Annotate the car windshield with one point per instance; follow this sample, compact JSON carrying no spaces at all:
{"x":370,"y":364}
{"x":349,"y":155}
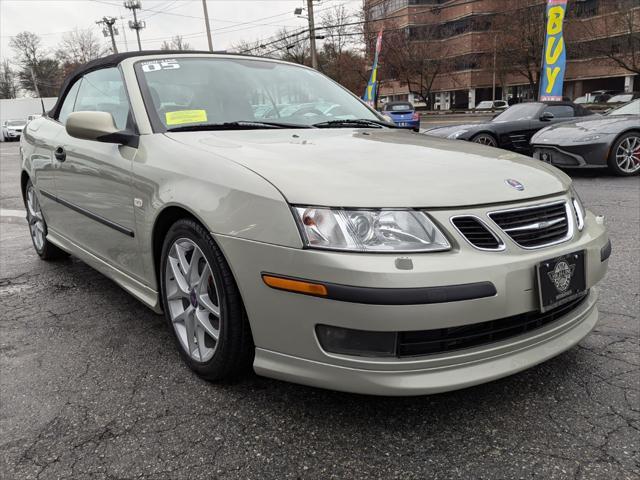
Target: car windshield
{"x":632,"y":108}
{"x":195,"y":91}
{"x":521,"y":111}
{"x":623,"y":98}
{"x":16,"y":123}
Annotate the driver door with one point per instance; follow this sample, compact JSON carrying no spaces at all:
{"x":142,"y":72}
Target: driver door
{"x":94,"y":179}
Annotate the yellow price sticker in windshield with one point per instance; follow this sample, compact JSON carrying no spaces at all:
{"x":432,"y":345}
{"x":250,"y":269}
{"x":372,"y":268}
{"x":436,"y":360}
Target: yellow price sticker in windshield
{"x":185,"y":116}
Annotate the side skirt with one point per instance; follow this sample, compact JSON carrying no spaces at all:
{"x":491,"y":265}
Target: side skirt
{"x":146,"y":295}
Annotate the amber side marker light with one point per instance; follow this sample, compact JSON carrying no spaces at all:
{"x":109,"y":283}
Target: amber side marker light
{"x":296,"y":286}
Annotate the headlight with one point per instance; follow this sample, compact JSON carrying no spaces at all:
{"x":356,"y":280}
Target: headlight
{"x":369,"y":230}
{"x":456,"y":134}
{"x":578,"y":209}
{"x":588,"y":138}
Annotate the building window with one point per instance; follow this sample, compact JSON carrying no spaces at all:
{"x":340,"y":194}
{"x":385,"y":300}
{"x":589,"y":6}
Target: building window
{"x":585,"y":8}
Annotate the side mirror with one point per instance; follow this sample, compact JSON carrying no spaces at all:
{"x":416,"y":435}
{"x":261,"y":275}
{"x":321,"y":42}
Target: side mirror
{"x":99,"y":127}
{"x":547,"y":116}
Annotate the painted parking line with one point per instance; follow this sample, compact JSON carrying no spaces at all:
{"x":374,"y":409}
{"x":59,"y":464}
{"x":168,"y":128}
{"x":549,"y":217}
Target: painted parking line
{"x":5,"y":212}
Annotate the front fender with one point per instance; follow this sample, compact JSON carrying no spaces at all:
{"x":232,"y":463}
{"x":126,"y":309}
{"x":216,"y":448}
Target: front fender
{"x":227,"y":198}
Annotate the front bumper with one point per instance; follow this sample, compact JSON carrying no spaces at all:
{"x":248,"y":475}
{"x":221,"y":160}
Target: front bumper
{"x":412,"y":124}
{"x":12,"y":134}
{"x":283,"y":324}
{"x":574,"y":156}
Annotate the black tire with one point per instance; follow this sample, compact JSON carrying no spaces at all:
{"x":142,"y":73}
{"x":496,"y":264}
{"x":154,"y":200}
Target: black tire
{"x":48,"y":251}
{"x":612,"y":161}
{"x":485,"y":139}
{"x":234,"y":351}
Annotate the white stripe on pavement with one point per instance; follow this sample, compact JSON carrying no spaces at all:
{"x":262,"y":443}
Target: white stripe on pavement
{"x":12,"y":213}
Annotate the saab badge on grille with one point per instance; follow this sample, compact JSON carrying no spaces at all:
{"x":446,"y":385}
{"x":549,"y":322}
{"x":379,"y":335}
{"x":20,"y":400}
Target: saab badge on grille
{"x":514,"y":184}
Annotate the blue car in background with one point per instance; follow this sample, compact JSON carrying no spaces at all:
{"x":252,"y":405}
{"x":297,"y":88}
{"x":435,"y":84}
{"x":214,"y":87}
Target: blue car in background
{"x":403,"y":114}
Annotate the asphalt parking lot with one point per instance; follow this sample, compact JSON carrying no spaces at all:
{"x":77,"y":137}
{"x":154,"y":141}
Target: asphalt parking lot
{"x":91,"y":386}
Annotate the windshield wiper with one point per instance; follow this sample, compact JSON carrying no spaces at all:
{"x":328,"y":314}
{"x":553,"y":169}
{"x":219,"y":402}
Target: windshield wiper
{"x":358,"y":122}
{"x":239,"y":125}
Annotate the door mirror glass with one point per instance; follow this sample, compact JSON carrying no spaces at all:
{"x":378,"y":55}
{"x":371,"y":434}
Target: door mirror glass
{"x":547,"y":116}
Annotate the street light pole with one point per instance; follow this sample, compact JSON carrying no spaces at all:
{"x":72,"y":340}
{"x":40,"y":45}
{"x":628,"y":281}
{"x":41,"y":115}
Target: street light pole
{"x":312,"y":35}
{"x":206,"y":22}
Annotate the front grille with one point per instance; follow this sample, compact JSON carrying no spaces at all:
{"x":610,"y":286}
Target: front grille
{"x":442,"y":340}
{"x":536,"y":226}
{"x":477,"y":233}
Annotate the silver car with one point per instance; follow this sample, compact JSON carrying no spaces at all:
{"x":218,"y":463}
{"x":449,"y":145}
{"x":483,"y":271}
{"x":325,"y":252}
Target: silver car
{"x":336,"y":252}
{"x":12,"y":129}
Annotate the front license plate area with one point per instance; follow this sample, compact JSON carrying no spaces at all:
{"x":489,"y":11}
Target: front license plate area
{"x":561,"y":280}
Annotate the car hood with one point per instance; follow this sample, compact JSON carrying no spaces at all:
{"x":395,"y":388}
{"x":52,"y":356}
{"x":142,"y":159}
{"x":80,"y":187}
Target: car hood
{"x":446,"y":131}
{"x":570,"y":131}
{"x":379,"y":168}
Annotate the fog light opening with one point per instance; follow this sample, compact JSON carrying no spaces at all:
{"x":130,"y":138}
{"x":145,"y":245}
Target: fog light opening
{"x":347,"y":341}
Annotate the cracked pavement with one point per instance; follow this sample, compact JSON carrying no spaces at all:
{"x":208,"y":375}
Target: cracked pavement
{"x":92,"y":387}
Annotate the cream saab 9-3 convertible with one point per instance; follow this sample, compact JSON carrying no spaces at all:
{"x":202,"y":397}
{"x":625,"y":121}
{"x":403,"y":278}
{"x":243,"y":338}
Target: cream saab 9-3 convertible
{"x":280,"y":223}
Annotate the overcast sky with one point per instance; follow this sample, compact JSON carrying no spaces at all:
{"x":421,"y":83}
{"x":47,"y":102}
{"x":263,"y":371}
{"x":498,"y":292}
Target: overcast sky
{"x":231,"y":20}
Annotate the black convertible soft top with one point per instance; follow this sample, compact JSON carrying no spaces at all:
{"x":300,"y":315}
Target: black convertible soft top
{"x":105,"y":62}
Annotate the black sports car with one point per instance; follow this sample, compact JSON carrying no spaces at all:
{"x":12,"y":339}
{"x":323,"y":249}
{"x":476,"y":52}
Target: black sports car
{"x":514,"y":127}
{"x":611,"y":140}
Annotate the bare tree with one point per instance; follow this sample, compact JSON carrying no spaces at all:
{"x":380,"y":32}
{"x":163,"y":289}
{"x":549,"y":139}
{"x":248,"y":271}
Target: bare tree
{"x":616,"y":36}
{"x":291,"y":46}
{"x":8,"y":85}
{"x":247,"y":47}
{"x":333,"y":25}
{"x":176,"y":43}
{"x":33,"y":63}
{"x":522,"y":40}
{"x":79,"y":47}
{"x":417,"y":64}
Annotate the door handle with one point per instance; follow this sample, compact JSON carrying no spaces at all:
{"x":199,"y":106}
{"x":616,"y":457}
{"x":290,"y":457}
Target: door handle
{"x":60,"y":154}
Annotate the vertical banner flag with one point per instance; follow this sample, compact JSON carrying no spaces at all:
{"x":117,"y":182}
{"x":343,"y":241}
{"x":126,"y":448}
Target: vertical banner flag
{"x":372,"y":86}
{"x":554,"y":55}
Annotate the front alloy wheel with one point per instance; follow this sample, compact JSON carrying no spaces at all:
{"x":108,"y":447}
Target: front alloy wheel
{"x":485,"y":139}
{"x":625,"y":155}
{"x":192,"y":298}
{"x":202,"y":304}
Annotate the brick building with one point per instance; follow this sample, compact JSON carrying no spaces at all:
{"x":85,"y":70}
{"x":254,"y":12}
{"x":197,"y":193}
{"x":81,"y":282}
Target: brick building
{"x":473,"y":39}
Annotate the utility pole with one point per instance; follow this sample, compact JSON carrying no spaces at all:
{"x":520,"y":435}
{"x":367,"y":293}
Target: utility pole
{"x":134,"y":5}
{"x":110,"y":30}
{"x":312,"y":35}
{"x":206,"y":22}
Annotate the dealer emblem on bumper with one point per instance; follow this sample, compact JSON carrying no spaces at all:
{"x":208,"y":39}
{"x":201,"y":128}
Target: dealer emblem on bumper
{"x":561,"y":275}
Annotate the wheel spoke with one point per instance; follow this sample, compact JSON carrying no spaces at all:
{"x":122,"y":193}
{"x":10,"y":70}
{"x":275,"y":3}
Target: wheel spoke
{"x":182,"y":259}
{"x":208,"y":305}
{"x":202,"y":318}
{"x":192,"y":274}
{"x":181,"y":282}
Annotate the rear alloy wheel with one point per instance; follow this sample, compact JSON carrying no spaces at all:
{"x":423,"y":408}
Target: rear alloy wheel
{"x":625,"y":155}
{"x":202,"y":304}
{"x":485,"y":139}
{"x":38,"y":227}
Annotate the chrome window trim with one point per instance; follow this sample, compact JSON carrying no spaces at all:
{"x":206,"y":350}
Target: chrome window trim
{"x":501,"y":247}
{"x":568,"y":213}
